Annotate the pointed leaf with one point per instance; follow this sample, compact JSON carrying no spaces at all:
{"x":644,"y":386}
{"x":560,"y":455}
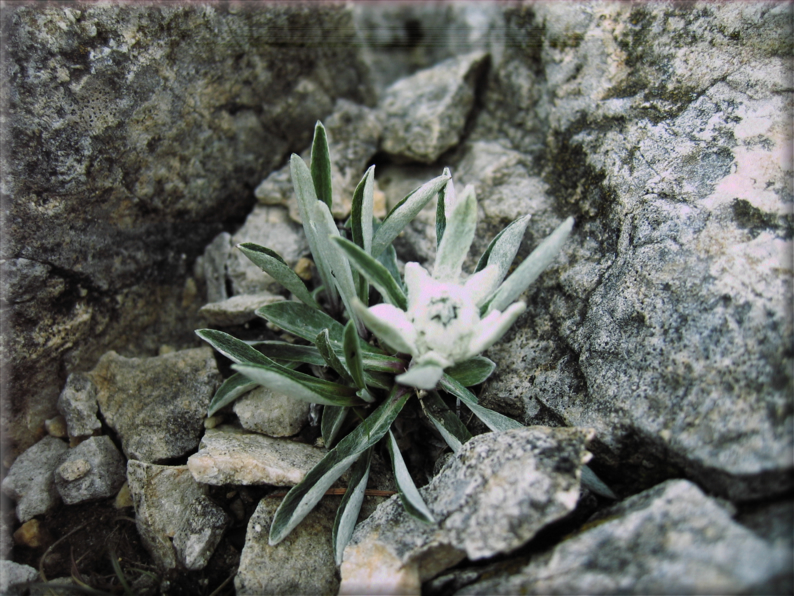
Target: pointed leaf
{"x":300,"y":320}
{"x":412,"y":501}
{"x":349,"y":508}
{"x":446,"y":422}
{"x":273,"y":264}
{"x":321,"y":165}
{"x":361,"y":211}
{"x":473,"y":371}
{"x":235,"y":349}
{"x":282,"y":350}
{"x":403,"y":213}
{"x":232,"y":388}
{"x":594,"y":484}
{"x":300,"y":386}
{"x":374,"y":272}
{"x":461,"y":221}
{"x":388,"y":258}
{"x":326,"y":349}
{"x":305,"y":495}
{"x":307,"y":197}
{"x":421,"y":376}
{"x":352,"y":352}
{"x":493,"y":420}
{"x":503,"y":248}
{"x":441,"y":219}
{"x":331,"y":424}
{"x":530,"y":269}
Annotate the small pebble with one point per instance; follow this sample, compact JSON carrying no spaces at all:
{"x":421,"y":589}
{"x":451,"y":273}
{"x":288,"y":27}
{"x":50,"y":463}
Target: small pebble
{"x":303,"y":268}
{"x":74,"y":469}
{"x":123,"y":498}
{"x":213,"y":421}
{"x":33,"y":534}
{"x":56,"y":427}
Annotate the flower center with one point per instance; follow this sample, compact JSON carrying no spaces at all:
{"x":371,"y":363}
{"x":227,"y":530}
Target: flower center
{"x":443,"y":310}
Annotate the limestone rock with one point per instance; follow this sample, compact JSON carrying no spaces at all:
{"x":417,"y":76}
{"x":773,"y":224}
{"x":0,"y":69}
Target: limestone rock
{"x":424,"y":114}
{"x":202,"y":527}
{"x":157,"y":405}
{"x":77,"y":403}
{"x":271,"y":413}
{"x":671,"y":539}
{"x":30,"y":479}
{"x":492,"y":497}
{"x":237,"y":310}
{"x":303,"y":563}
{"x":13,"y":576}
{"x":229,"y":456}
{"x":94,"y":469}
{"x":214,"y":259}
{"x":162,"y":496}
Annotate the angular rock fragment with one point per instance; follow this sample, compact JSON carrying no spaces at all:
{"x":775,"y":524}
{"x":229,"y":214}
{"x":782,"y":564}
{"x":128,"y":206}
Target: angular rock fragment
{"x":77,"y":403}
{"x":94,"y":469}
{"x":236,"y":310}
{"x":271,"y":413}
{"x":671,"y":539}
{"x":201,"y":529}
{"x":157,"y":405}
{"x":214,"y":259}
{"x":13,"y":576}
{"x":425,"y":114}
{"x":491,"y":498}
{"x":30,"y":479}
{"x":228,"y":456}
{"x":162,"y":496}
{"x":303,"y":563}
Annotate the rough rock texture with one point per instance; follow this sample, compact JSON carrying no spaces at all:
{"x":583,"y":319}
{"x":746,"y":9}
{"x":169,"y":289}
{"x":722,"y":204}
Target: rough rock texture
{"x":30,"y":479}
{"x":201,"y":529}
{"x":162,"y":496}
{"x":230,"y":456}
{"x":671,"y":539}
{"x":425,"y":114}
{"x":303,"y":563}
{"x":94,"y":469}
{"x":237,"y":310}
{"x":271,"y":413}
{"x":492,"y":497}
{"x":665,"y":325}
{"x":157,"y":405}
{"x":78,"y":405}
{"x":13,"y":574}
{"x":145,"y":128}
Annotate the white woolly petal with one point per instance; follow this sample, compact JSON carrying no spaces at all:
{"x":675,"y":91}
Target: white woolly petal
{"x":424,"y":376}
{"x":390,"y":324}
{"x":416,"y":278}
{"x":483,"y":283}
{"x":493,"y":327}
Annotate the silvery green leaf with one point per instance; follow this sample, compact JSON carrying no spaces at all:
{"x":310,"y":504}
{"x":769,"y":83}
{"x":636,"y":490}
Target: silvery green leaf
{"x":594,"y":484}
{"x":349,"y":508}
{"x":331,"y":424}
{"x":305,"y":495}
{"x":446,"y":422}
{"x":412,"y":501}
{"x":388,"y":258}
{"x":301,"y":320}
{"x":307,"y":197}
{"x":493,"y":420}
{"x":282,"y":350}
{"x":321,"y":165}
{"x":232,"y":388}
{"x":374,"y":272}
{"x":404,"y":212}
{"x":235,"y":349}
{"x":274,"y":265}
{"x":448,"y":192}
{"x":361,"y":211}
{"x":325,"y":229}
{"x":503,"y":248}
{"x":461,"y":221}
{"x":421,"y":376}
{"x":473,"y":371}
{"x":530,"y":269}
{"x":326,"y":349}
{"x":390,"y":325}
{"x":300,"y":386}
{"x":352,"y":351}
{"x":382,"y":363}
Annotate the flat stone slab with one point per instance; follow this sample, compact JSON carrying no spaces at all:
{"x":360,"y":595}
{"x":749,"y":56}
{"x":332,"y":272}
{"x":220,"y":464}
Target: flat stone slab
{"x":236,"y":310}
{"x":229,"y":456}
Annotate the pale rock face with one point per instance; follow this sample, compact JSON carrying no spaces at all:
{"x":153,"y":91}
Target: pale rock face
{"x":271,"y":413}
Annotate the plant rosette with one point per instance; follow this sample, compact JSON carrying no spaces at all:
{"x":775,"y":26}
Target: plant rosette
{"x":430,"y":331}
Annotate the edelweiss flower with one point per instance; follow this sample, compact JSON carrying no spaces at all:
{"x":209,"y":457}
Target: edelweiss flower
{"x":442,"y":325}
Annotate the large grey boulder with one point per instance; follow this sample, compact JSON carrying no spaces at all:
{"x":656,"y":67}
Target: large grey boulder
{"x":134,"y":133}
{"x":665,"y":324}
{"x":157,"y":405}
{"x":671,"y":539}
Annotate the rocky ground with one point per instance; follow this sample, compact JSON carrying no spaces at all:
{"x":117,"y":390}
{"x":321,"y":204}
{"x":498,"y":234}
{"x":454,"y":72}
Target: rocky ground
{"x":657,"y":347}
